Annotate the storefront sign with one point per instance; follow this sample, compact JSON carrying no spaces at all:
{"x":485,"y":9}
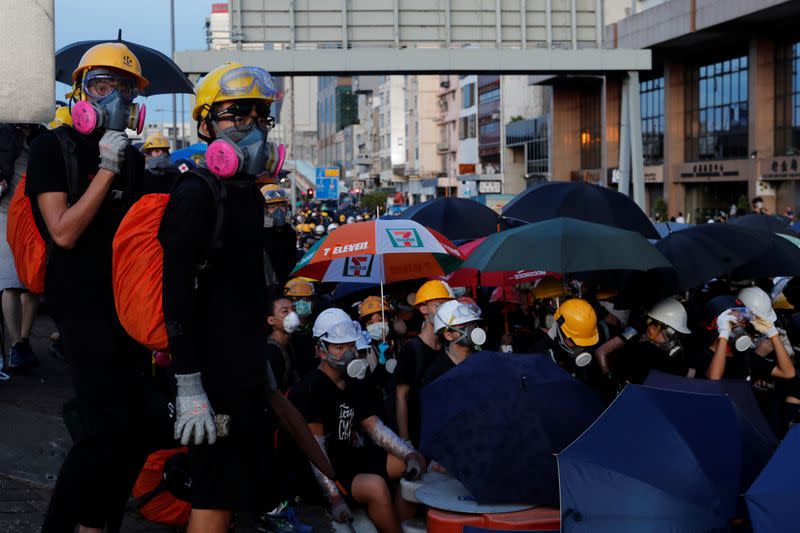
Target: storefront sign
{"x":780,"y":168}
{"x":654,"y":174}
{"x":730,"y":170}
{"x":490,"y":187}
{"x":464,"y":168}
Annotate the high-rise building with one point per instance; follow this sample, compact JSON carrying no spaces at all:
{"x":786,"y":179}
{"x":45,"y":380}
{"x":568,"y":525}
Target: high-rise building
{"x":423,"y":166}
{"x":337,"y":108}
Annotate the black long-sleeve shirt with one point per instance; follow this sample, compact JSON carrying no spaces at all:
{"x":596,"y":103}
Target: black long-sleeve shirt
{"x":216,"y":317}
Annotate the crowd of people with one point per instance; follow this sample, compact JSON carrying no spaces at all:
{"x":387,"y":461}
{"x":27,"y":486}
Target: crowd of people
{"x":240,"y":326}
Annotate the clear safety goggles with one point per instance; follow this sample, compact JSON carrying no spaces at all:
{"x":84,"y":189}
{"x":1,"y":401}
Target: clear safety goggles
{"x":470,"y":311}
{"x":342,"y":330}
{"x":241,"y":113}
{"x":244,"y":80}
{"x":101,"y":83}
{"x":275,"y":195}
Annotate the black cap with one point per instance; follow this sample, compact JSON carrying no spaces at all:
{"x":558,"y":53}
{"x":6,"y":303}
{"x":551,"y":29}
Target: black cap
{"x":717,"y":305}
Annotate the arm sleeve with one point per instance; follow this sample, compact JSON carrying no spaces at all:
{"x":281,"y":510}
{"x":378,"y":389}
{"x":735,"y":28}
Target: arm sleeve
{"x":184,"y":234}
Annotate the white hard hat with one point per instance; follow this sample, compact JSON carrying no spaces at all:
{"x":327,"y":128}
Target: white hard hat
{"x":454,"y":313}
{"x":670,"y":312}
{"x":759,"y":302}
{"x":320,"y":229}
{"x":350,"y":220}
{"x":359,"y":218}
{"x":332,"y":226}
{"x":335,"y":326}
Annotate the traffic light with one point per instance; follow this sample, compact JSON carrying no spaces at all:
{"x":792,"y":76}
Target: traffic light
{"x":310,"y":193}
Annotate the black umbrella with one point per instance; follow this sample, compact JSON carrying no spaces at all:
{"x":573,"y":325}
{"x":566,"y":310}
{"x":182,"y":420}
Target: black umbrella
{"x":707,"y":251}
{"x":770,"y":223}
{"x":164,"y":75}
{"x":782,"y":258}
{"x":455,"y":218}
{"x":579,"y":200}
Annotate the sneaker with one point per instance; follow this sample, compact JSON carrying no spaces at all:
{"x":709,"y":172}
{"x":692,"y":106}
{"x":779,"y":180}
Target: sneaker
{"x":283,"y":522}
{"x":21,"y":356}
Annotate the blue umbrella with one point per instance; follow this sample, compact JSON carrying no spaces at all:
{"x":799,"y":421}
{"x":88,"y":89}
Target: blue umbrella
{"x":758,"y":439}
{"x":455,"y":218}
{"x":188,"y":151}
{"x":496,"y":421}
{"x":665,"y":228}
{"x":655,"y":461}
{"x":772,"y":500}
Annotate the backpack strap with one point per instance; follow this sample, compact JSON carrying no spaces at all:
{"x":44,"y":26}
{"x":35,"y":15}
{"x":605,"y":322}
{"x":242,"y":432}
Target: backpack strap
{"x":68,"y":146}
{"x":219,"y":193}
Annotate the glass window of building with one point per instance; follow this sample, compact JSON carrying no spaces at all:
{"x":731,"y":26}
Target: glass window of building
{"x":651,"y":95}
{"x":787,"y":99}
{"x":590,"y":130}
{"x":490,"y":96}
{"x":468,"y":126}
{"x":717,"y":110}
{"x":468,"y":95}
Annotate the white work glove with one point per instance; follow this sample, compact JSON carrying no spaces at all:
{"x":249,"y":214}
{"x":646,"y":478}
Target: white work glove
{"x":194,"y":412}
{"x":112,"y":150}
{"x":764,"y":326}
{"x":725,"y":322}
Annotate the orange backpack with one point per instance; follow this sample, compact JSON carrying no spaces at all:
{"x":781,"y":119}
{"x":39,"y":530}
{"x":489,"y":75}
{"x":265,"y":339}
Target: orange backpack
{"x":138,"y":263}
{"x":155,"y":489}
{"x":28,"y":246}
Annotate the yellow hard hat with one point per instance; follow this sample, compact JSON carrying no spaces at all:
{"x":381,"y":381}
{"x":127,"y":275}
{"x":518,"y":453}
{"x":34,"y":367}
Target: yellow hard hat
{"x":62,"y":116}
{"x":373,"y":304}
{"x":274,"y":194}
{"x":342,"y":219}
{"x":155,"y":140}
{"x":433,"y":290}
{"x":232,"y":81}
{"x":578,"y":321}
{"x":782,"y":304}
{"x":298,"y":287}
{"x":111,"y":55}
{"x":548,"y":287}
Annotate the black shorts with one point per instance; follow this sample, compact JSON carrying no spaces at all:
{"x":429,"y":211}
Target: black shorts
{"x":350,"y":462}
{"x":235,"y":473}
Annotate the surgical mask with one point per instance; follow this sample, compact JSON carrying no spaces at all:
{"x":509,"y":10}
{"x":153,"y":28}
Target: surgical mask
{"x":399,"y":326}
{"x":291,"y":322}
{"x":378,"y":330}
{"x":158,"y":163}
{"x":235,"y":152}
{"x":303,"y":308}
{"x":110,"y":113}
{"x":276,"y":219}
{"x":473,"y":336}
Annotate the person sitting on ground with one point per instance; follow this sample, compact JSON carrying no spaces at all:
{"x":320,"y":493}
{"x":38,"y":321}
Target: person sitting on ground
{"x":366,"y":455}
{"x":283,"y":322}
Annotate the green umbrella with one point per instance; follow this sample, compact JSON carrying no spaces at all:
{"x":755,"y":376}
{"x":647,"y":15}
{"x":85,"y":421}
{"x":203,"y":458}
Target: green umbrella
{"x":566,"y":245}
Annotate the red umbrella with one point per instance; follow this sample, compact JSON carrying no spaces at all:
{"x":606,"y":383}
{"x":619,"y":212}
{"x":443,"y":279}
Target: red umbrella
{"x":470,"y":277}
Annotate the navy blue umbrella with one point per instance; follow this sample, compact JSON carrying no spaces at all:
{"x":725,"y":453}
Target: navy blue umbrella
{"x":496,"y":421}
{"x":455,"y":218}
{"x":584,"y":201}
{"x":665,"y":228}
{"x":769,"y":223}
{"x":656,"y":461}
{"x":758,"y":439}
{"x":772,"y":500}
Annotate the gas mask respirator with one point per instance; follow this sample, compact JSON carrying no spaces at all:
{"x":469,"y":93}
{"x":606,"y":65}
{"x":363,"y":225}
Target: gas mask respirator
{"x":473,"y":336}
{"x":349,"y":362}
{"x":110,"y":113}
{"x":244,"y":152}
{"x":276,"y":219}
{"x":158,"y":163}
{"x":578,"y":354}
{"x":672,"y":347}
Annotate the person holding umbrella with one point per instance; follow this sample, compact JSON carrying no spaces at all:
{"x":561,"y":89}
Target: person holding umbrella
{"x":340,"y":414}
{"x":80,"y":184}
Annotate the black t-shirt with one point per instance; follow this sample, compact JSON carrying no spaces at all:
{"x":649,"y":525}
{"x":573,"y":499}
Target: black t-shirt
{"x":303,"y":348}
{"x":282,"y":365}
{"x":637,"y":358}
{"x":340,"y":411}
{"x":216,"y":317}
{"x":743,"y":365}
{"x":280,"y":244}
{"x":440,"y":364}
{"x":81,"y":276}
{"x":413,"y":360}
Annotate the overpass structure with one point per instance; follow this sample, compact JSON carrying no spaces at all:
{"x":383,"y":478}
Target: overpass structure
{"x":347,"y":37}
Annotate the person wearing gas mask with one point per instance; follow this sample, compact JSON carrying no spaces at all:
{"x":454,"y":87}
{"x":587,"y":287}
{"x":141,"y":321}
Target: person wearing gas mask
{"x":573,"y":336}
{"x":543,"y":301}
{"x":283,"y":321}
{"x":414,"y":358}
{"x":216,"y":317}
{"x":629,"y":357}
{"x":745,"y":337}
{"x":458,"y":326}
{"x":161,"y":173}
{"x":280,"y":239}
{"x":366,"y":455}
{"x":80,"y":180}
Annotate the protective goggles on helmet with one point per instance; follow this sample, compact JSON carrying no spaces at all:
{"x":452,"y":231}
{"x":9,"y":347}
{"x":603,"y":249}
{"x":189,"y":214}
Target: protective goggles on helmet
{"x":465,"y":311}
{"x":241,"y":113}
{"x":102,"y":83}
{"x":244,"y":80}
{"x":275,"y":195}
{"x":336,"y":332}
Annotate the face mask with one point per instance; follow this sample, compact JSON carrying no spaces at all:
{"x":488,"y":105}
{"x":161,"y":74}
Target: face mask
{"x":471,"y":335}
{"x":158,"y":163}
{"x":458,"y":292}
{"x":303,"y":308}
{"x":672,"y":347}
{"x":277,"y":219}
{"x":343,"y":362}
{"x":238,"y":152}
{"x":291,"y":322}
{"x":110,"y":113}
{"x":357,"y":369}
{"x":578,"y":354}
{"x":399,"y":326}
{"x":740,"y":339}
{"x":378,"y":331}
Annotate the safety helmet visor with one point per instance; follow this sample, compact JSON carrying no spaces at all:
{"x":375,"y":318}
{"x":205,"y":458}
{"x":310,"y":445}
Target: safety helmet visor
{"x":101,"y":83}
{"x":248,"y":80}
{"x":241,"y":113}
{"x":275,"y":196}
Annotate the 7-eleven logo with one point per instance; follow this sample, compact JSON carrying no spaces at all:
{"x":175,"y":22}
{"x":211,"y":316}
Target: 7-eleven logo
{"x":404,"y":238}
{"x":359,"y":266}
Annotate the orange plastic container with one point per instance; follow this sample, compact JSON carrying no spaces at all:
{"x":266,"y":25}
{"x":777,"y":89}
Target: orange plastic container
{"x":535,"y":519}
